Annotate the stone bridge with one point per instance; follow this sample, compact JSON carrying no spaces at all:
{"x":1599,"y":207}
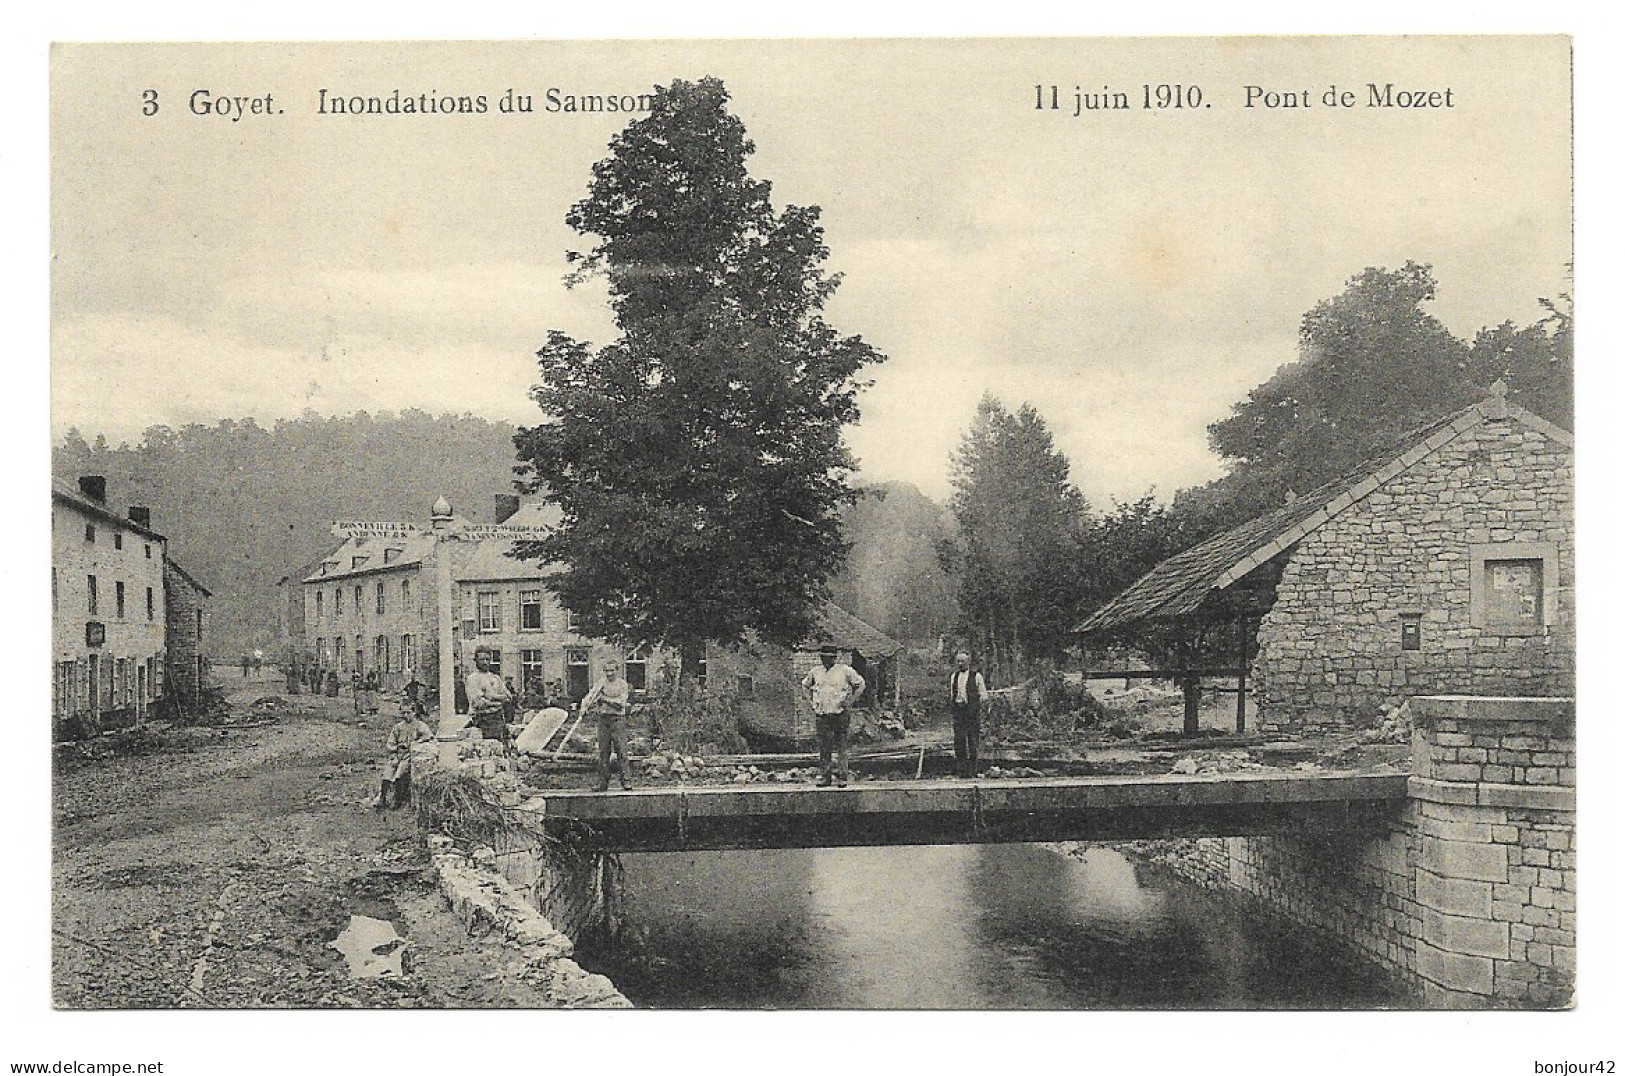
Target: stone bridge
{"x":982,"y":811}
{"x":1458,"y":876}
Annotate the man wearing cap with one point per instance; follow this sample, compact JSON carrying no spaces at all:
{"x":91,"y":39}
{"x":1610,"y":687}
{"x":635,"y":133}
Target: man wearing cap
{"x":834,"y":686}
{"x":487,"y":698}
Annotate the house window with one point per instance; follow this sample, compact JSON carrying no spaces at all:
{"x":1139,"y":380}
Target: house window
{"x":530,"y":610}
{"x":319,"y":605}
{"x":357,"y":601}
{"x":148,"y":550}
{"x":1511,"y":587}
{"x":409,"y":654}
{"x":569,"y":621}
{"x":496,"y":659}
{"x":380,"y":596}
{"x":380,"y":653}
{"x":490,"y":611}
{"x":118,"y":600}
{"x":531,"y":670}
{"x":90,"y":594}
{"x":637,"y":670}
{"x":338,"y":603}
{"x":356,"y":562}
{"x":391,"y":555}
{"x":118,"y":539}
{"x":149,"y":604}
{"x":406,"y":595}
{"x":90,"y":532}
{"x":747,"y":687}
{"x":702,"y":670}
{"x":1410,"y":631}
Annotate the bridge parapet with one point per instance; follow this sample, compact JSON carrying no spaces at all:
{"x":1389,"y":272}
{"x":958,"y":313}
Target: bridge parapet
{"x":1493,"y":783}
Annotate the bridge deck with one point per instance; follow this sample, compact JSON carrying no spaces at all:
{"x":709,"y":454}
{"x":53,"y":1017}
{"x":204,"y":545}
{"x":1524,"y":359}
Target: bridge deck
{"x":670,"y":818}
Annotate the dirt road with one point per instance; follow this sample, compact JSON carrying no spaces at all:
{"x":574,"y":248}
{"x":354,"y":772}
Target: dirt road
{"x":214,"y":869}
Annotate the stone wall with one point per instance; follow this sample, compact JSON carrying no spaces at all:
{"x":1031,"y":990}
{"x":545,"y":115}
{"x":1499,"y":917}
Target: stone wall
{"x":185,"y":622}
{"x":1331,"y":650}
{"x":570,"y":890}
{"x":1468,"y":895}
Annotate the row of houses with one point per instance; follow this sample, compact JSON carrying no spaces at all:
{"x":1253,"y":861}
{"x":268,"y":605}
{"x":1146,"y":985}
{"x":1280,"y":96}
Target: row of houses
{"x":127,"y":621}
{"x":371,"y":606}
{"x":1443,"y":565}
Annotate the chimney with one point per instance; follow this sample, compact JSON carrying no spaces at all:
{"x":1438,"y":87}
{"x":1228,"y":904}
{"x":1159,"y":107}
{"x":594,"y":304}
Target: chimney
{"x":507,"y":505}
{"x":94,"y":486}
{"x":140,"y":515}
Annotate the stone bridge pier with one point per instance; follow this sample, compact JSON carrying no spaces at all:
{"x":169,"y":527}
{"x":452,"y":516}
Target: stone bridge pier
{"x":1493,"y":798}
{"x":1467,"y":893}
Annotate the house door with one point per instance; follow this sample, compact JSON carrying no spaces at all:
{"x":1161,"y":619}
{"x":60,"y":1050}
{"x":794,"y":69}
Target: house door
{"x":860,"y":665}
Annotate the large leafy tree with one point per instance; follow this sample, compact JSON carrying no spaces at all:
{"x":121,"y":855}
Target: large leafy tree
{"x":1017,"y":551}
{"x":698,"y":458}
{"x":1373,"y":364}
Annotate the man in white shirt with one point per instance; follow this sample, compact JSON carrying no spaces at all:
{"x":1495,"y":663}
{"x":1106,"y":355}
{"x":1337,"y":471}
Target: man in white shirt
{"x":834,"y":686}
{"x":967,"y":696}
{"x":487,"y":698}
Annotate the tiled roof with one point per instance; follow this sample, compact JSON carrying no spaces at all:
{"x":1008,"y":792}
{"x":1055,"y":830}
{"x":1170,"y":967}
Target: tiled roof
{"x":1179,"y":584}
{"x":847,"y":631}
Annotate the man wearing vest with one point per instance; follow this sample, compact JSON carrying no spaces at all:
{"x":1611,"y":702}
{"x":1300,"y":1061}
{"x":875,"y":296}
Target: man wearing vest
{"x":967,"y":694}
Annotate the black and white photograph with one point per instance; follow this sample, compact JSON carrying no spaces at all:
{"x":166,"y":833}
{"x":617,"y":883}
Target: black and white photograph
{"x":970,"y":524}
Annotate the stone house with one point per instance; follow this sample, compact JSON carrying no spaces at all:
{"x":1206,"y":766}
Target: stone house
{"x":185,"y":627}
{"x":107,"y":610}
{"x":764,"y":681}
{"x":372,"y":605}
{"x":1443,"y":566}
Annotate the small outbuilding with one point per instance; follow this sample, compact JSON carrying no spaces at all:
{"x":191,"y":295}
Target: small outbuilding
{"x":764,"y":681}
{"x":1444,"y":566}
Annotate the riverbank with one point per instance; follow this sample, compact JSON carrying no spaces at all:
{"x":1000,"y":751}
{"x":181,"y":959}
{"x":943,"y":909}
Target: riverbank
{"x":212,"y":868}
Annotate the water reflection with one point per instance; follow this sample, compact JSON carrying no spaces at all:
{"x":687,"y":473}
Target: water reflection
{"x":972,"y":926}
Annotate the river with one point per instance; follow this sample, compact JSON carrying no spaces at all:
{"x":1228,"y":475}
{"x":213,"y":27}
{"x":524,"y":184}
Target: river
{"x":1006,"y":926}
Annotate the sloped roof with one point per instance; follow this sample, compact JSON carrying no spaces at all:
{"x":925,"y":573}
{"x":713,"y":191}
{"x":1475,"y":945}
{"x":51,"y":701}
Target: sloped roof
{"x":849,"y":632}
{"x":1179,"y":584}
{"x":413,"y":549}
{"x":493,"y":559}
{"x":61,"y":491}
{"x":171,"y":563}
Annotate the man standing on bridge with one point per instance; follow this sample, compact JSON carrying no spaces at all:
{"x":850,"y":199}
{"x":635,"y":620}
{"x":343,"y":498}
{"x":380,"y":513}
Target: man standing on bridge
{"x":967,"y":695}
{"x":610,"y":699}
{"x":834,"y":686}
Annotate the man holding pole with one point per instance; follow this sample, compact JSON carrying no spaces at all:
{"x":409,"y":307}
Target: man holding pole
{"x":610,"y":699}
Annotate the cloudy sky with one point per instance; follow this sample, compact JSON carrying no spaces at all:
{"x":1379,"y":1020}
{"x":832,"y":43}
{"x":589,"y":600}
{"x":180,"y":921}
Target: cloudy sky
{"x":1130,"y":273}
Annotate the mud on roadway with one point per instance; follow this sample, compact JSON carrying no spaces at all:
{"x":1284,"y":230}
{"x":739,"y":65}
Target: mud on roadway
{"x":211,"y":868}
